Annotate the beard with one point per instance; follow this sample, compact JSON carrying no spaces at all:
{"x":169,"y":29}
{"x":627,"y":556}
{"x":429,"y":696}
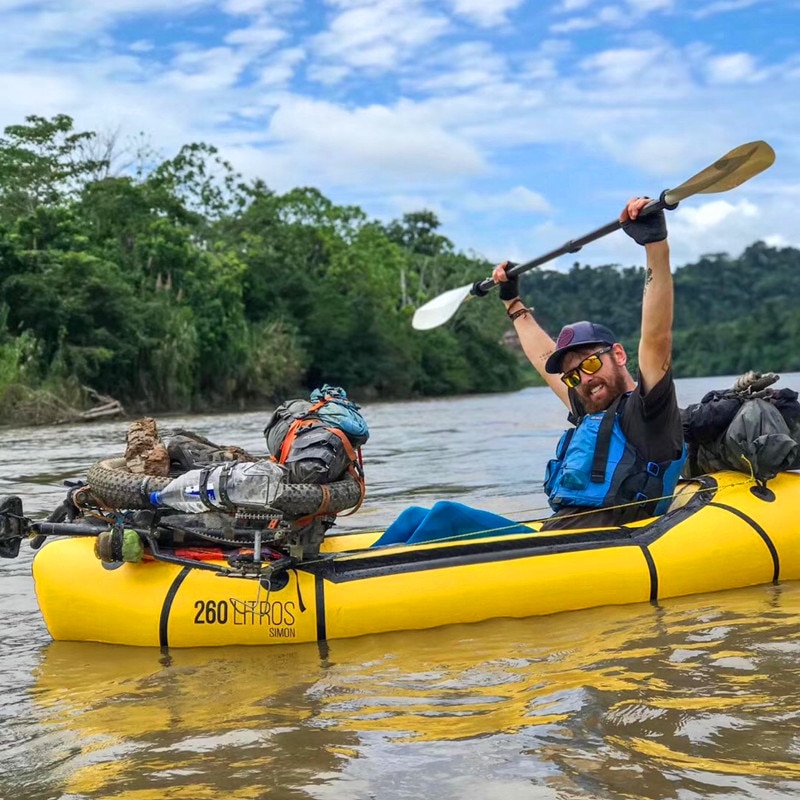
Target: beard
{"x":612,"y":386}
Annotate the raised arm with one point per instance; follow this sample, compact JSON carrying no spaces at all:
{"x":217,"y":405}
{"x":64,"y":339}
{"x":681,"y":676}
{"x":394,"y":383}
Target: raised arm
{"x":536,"y":342}
{"x":655,"y":344}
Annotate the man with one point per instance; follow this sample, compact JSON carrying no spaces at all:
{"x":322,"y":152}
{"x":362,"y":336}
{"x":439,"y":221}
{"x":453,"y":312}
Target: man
{"x":622,"y":459}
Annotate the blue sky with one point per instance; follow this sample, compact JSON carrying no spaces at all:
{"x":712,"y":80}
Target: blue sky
{"x":521,"y":123}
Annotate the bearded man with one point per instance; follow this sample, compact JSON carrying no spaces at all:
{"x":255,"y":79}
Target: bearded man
{"x":621,"y":460}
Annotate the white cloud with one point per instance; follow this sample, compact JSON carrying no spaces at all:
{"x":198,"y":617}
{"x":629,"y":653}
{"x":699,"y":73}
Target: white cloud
{"x":486,"y":13}
{"x":643,"y":7}
{"x":630,"y":15}
{"x":327,"y":74}
{"x":378,"y":36}
{"x":75,"y":26}
{"x":279,"y":69}
{"x":663,"y":155}
{"x":776,"y":241}
{"x":260,"y":36}
{"x":517,"y":199}
{"x":575,"y":24}
{"x":704,"y":218}
{"x":619,"y":66}
{"x":205,"y":70}
{"x":455,"y":80}
{"x":616,"y":15}
{"x":718,"y":226}
{"x":141,"y":46}
{"x":722,"y":7}
{"x":540,"y":68}
{"x":568,"y":6}
{"x":246,"y":7}
{"x":464,"y":66}
{"x":735,"y":68}
{"x":401,"y":144}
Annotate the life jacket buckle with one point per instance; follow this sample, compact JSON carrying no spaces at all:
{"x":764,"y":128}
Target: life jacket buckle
{"x":653,"y":468}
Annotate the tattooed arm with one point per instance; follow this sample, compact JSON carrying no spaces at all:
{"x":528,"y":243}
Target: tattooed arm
{"x":655,"y":345}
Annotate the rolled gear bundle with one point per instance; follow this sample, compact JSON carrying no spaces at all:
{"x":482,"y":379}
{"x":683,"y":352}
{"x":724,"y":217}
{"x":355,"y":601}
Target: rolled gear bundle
{"x":334,"y":408}
{"x":282,"y":419}
{"x":759,"y":437}
{"x":114,"y":486}
{"x":750,"y":428}
{"x":316,"y":441}
{"x":189,"y":450}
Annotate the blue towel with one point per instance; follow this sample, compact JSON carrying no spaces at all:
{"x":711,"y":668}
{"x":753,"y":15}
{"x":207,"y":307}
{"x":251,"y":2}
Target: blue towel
{"x":446,"y":520}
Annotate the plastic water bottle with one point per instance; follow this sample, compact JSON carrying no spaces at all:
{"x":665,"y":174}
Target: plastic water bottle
{"x":247,"y":484}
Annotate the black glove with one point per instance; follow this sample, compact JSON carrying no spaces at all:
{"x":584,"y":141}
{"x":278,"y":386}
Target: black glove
{"x":510,"y":289}
{"x":647,"y":228}
{"x":478,"y":291}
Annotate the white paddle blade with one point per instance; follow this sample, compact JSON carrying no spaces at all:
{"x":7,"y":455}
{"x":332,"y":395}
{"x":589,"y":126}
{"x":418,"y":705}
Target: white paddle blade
{"x":437,"y":311}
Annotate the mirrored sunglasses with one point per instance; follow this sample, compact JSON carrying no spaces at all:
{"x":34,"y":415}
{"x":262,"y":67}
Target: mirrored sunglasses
{"x":588,"y":366}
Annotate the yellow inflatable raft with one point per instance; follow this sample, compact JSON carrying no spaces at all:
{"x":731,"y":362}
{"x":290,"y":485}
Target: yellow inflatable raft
{"x":722,"y":532}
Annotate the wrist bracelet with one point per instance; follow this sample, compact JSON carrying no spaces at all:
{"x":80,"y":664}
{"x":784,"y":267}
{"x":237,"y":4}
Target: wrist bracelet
{"x":520,"y":312}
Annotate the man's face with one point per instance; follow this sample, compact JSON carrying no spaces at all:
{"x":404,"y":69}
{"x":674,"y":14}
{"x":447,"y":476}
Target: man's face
{"x":599,"y":390}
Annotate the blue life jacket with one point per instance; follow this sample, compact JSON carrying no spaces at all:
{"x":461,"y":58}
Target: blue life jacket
{"x":597,"y":467}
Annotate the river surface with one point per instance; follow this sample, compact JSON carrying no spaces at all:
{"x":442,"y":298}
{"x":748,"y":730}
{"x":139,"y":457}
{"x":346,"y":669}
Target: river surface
{"x":698,"y":697}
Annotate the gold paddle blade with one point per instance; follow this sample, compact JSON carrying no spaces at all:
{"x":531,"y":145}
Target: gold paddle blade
{"x":728,"y":172}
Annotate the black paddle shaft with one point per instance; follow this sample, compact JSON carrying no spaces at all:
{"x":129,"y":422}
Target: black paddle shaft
{"x":481,"y":288}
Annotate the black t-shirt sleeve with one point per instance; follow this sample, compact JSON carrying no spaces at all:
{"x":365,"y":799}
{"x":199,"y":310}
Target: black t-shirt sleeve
{"x":652,"y":422}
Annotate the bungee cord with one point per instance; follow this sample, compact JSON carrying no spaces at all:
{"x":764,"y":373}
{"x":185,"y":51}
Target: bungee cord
{"x":499,"y":531}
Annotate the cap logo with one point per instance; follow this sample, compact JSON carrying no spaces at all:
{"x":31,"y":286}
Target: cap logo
{"x":565,"y":337}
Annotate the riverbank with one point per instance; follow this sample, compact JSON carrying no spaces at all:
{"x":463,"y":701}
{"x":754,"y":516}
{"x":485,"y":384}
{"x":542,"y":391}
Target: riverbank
{"x":22,"y":405}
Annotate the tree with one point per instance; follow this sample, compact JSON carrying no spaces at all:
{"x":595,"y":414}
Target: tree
{"x":42,"y":164}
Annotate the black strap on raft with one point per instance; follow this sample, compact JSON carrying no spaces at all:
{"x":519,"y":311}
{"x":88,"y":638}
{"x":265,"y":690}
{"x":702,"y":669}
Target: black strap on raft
{"x":222,"y":489}
{"x":603,"y":445}
{"x":223,"y":501}
{"x":203,"y":488}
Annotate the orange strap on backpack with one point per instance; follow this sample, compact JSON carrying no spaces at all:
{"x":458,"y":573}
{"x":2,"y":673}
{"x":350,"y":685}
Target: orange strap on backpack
{"x":355,"y":468}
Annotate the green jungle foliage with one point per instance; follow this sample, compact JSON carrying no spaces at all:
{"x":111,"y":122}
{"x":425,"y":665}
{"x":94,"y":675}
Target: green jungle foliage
{"x":731,"y":314}
{"x":178,"y":286}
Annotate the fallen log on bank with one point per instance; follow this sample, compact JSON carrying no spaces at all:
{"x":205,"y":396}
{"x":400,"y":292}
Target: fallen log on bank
{"x":22,"y":405}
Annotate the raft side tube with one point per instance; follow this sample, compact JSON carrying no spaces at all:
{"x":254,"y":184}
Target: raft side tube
{"x":718,"y":540}
{"x":462,"y":593}
{"x":82,"y":599}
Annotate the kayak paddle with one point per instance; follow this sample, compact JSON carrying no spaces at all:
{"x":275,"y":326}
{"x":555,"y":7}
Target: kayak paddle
{"x":728,"y":172}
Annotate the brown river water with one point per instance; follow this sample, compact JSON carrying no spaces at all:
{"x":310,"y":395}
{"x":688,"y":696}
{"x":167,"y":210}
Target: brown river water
{"x":694,"y":698}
